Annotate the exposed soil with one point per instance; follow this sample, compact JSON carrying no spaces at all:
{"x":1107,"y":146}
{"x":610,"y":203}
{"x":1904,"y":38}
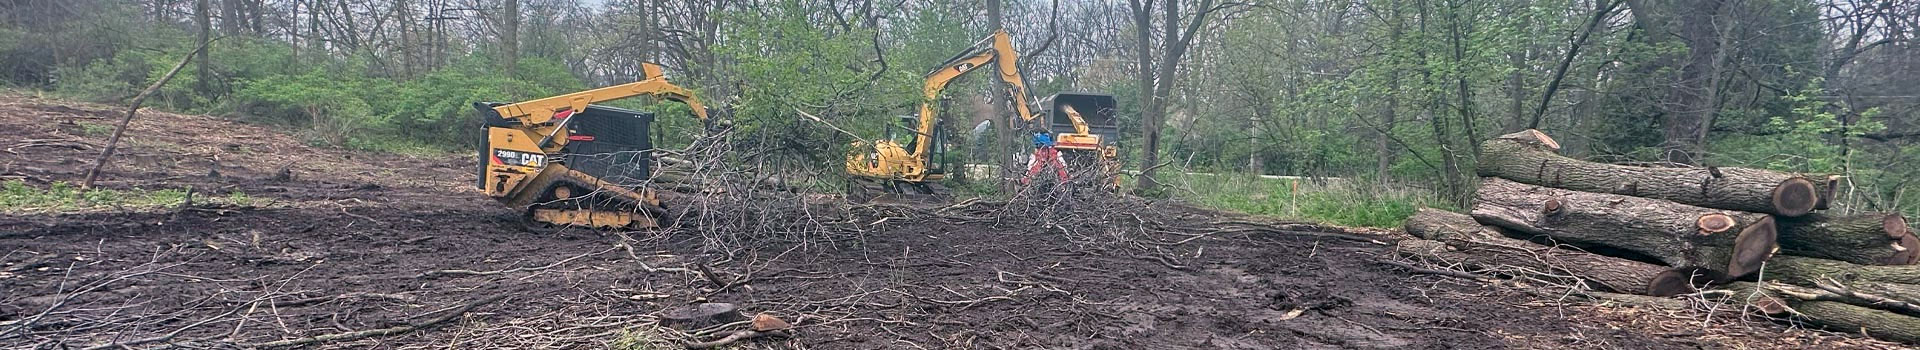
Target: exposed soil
{"x":353,"y":242}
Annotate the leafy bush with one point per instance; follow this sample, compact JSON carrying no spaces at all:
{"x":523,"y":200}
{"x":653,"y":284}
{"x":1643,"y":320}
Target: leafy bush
{"x":328,"y":105}
{"x":1335,"y":201}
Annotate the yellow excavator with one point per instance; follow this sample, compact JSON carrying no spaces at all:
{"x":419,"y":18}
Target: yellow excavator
{"x":570,"y":163}
{"x":886,"y":167}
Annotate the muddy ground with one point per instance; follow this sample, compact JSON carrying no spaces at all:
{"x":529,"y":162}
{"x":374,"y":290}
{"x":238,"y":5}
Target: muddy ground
{"x":354,"y":242}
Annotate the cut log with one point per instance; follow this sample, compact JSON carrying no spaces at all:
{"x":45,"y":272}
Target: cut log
{"x":1682,"y":281}
{"x":1869,"y":239}
{"x":1894,"y":282}
{"x":1909,"y":250}
{"x":1765,"y":301}
{"x":1820,"y":308}
{"x":1468,"y":242}
{"x":1675,"y":234}
{"x":1527,"y":157}
{"x":1817,"y":308}
{"x":1848,"y":318}
{"x":1805,"y":271}
{"x":1829,"y":189}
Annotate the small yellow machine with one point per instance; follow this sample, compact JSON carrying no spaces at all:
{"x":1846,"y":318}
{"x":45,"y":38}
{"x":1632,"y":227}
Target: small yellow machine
{"x":888,"y":167}
{"x":570,"y":163}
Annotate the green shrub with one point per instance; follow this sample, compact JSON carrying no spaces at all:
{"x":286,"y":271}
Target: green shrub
{"x":1334,"y":201}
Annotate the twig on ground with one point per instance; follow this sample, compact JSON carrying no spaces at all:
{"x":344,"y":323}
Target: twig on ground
{"x":512,"y":270}
{"x":450,"y":315}
{"x":737,"y":336}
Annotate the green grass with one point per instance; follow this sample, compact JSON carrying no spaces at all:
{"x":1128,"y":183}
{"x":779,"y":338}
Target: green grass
{"x":399,"y":146}
{"x":92,"y":129}
{"x":17,"y":196}
{"x":640,"y":339}
{"x":1338,"y":202}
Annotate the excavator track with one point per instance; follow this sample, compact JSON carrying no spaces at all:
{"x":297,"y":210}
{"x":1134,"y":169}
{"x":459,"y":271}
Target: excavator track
{"x":862,"y":190}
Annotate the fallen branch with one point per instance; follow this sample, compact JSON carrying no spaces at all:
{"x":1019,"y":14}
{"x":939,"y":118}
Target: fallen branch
{"x":170,"y":335}
{"x":513,"y":270}
{"x":29,"y":322}
{"x":353,"y":295}
{"x":743,"y":334}
{"x":450,"y":315}
{"x":1427,"y":271}
{"x":133,"y":107}
{"x":1864,"y":299}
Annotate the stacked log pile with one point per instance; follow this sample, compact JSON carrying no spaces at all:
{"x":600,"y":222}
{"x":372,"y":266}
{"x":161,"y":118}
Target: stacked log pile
{"x":1666,"y":231}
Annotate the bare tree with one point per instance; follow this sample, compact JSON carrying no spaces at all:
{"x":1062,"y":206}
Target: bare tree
{"x":202,"y":74}
{"x":1157,"y":80}
{"x":1692,"y":97}
{"x":510,"y":36}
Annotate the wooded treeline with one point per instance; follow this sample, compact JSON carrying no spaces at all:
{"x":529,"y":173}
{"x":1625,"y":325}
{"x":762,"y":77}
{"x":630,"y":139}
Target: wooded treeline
{"x":1397,"y":91}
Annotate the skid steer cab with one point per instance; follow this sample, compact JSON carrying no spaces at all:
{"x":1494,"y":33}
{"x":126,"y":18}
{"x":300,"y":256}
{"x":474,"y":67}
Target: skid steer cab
{"x":567,"y":162}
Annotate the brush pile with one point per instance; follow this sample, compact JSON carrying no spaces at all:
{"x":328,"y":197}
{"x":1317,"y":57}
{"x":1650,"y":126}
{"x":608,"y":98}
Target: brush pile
{"x":1753,"y":235}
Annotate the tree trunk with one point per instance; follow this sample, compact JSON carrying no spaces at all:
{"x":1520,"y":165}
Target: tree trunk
{"x":1806,"y":271}
{"x":1675,"y":234}
{"x":1602,"y":9}
{"x":1691,"y":99}
{"x":1901,"y":283}
{"x":1869,"y":239}
{"x":202,"y":75}
{"x":1842,"y":317}
{"x":510,"y":38}
{"x":1485,"y":247}
{"x":255,"y":11}
{"x":1143,"y":54}
{"x":1004,"y":146}
{"x":230,"y":17}
{"x":402,"y":14}
{"x":1529,"y":156}
{"x":1824,"y":309}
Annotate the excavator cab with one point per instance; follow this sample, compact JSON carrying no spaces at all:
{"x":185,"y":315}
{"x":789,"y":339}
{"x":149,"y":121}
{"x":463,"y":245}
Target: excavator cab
{"x":906,"y":126}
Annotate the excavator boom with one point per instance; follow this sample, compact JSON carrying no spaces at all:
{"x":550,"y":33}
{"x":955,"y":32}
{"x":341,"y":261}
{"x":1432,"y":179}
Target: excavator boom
{"x":912,"y":167}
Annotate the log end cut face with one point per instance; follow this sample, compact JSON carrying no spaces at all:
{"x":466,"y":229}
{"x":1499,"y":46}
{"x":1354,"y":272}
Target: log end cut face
{"x":1533,"y":137}
{"x":1906,"y":252}
{"x":1795,"y":197}
{"x":1715,"y":223}
{"x":1752,"y":247}
{"x":1682,"y":281}
{"x":1894,"y":225}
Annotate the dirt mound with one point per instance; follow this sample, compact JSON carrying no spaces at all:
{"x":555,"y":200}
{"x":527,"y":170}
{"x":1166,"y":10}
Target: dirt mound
{"x":52,"y":141}
{"x":348,"y":250}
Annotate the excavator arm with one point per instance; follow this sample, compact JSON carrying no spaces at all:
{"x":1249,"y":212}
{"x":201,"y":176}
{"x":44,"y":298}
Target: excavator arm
{"x":654,"y":83}
{"x":996,"y":50}
{"x":893,"y":168}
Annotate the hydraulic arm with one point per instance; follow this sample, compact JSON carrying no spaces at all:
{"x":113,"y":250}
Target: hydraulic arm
{"x":910,"y":169}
